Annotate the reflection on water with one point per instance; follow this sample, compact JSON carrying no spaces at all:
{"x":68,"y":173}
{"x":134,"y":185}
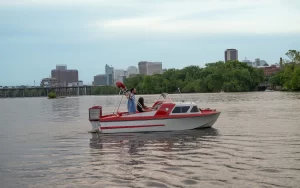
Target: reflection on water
{"x":143,"y":157}
{"x":136,"y":140}
{"x":65,"y":108}
{"x":254,"y":143}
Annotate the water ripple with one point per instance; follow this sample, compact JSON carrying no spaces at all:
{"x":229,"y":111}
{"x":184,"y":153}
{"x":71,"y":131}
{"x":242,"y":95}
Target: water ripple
{"x":254,"y":143}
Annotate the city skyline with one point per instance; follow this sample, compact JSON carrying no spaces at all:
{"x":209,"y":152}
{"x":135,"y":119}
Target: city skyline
{"x":91,"y":78}
{"x":86,"y":35}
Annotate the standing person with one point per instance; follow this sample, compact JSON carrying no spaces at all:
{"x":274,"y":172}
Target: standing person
{"x":131,"y":101}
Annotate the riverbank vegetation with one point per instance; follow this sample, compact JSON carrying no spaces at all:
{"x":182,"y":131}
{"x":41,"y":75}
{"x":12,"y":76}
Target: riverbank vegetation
{"x":289,"y":77}
{"x":105,"y":90}
{"x":52,"y":95}
{"x":232,"y":76}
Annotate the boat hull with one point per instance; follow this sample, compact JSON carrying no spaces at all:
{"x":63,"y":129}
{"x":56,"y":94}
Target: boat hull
{"x":154,"y":125}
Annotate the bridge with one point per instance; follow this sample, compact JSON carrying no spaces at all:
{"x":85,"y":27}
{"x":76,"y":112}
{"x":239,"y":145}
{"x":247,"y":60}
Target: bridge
{"x":44,"y":91}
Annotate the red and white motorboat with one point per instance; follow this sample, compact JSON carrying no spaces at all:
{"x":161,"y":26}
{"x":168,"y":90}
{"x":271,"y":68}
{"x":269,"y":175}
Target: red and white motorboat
{"x":165,"y":115}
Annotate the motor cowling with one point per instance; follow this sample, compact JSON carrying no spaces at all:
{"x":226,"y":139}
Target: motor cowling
{"x":95,"y":113}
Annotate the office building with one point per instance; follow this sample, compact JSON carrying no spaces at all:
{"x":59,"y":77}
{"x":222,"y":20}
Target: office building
{"x":260,"y":63}
{"x":100,"y":80}
{"x":143,"y":67}
{"x":61,"y":67}
{"x":150,"y":68}
{"x":109,"y":71}
{"x":248,"y":62}
{"x":231,"y":54}
{"x":118,"y":75}
{"x":120,"y":78}
{"x":48,"y":82}
{"x":64,"y":76}
{"x":270,"y":70}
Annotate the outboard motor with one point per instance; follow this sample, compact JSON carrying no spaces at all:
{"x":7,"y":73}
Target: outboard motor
{"x":95,"y":113}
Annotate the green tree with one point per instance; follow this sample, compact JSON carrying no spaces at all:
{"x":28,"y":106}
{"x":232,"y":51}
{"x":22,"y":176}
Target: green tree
{"x":295,"y":80}
{"x":229,"y":76}
{"x":294,"y":55}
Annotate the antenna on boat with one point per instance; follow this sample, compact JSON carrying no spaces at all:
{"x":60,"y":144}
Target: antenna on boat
{"x":180,"y":94}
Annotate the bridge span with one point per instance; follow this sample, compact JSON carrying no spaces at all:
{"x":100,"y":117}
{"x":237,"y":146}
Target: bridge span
{"x":44,"y":91}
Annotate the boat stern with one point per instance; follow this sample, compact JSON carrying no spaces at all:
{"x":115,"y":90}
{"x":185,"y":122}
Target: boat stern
{"x":95,"y":113}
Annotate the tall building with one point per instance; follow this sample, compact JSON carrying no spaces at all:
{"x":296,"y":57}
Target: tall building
{"x":143,"y":67}
{"x":257,"y":62}
{"x":132,"y":70}
{"x":260,"y":63}
{"x":61,"y":67}
{"x":118,"y":75}
{"x":120,"y":78}
{"x":231,"y":54}
{"x":109,"y":71}
{"x":249,"y":63}
{"x":64,"y":76}
{"x":150,"y":68}
{"x":100,"y":80}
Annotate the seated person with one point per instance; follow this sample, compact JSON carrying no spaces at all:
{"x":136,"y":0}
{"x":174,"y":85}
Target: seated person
{"x":141,"y":106}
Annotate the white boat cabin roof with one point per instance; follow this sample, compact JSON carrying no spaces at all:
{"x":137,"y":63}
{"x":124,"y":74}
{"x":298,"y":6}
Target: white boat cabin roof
{"x":182,"y":106}
{"x":185,"y":107}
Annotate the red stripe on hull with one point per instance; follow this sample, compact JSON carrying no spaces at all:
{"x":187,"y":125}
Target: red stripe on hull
{"x":134,"y":126}
{"x":156,"y":117}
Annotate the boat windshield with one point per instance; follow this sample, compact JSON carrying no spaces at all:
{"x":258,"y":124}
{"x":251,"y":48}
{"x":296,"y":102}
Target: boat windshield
{"x":185,"y":109}
{"x":165,"y":96}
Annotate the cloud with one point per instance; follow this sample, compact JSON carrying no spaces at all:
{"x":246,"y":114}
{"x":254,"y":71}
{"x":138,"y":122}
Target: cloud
{"x":207,"y":17}
{"x":132,"y":18}
{"x":49,"y":2}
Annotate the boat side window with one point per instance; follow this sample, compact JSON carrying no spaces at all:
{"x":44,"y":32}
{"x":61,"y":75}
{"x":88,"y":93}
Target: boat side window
{"x":177,"y":110}
{"x":195,"y":109}
{"x":184,"y":109}
{"x":180,"y":109}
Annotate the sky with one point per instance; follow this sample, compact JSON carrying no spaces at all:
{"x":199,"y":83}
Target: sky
{"x":36,"y":35}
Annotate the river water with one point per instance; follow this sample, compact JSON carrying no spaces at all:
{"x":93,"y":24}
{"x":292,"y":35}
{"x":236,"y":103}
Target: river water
{"x":254,"y":143}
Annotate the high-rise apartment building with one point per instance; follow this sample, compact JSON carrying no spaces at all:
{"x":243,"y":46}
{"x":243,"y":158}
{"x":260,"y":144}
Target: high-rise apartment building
{"x":231,"y":54}
{"x":150,"y":68}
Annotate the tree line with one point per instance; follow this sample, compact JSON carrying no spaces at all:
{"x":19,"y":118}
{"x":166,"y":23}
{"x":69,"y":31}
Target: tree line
{"x":231,"y":76}
{"x":289,"y":77}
